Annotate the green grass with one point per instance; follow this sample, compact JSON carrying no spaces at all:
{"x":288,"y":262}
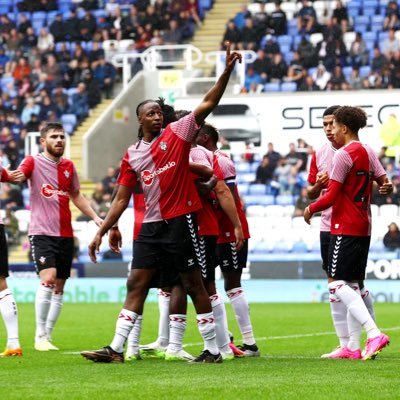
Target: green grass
{"x":290,"y":367}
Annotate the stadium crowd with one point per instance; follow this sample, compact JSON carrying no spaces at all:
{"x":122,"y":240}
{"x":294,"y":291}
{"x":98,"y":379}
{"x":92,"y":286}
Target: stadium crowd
{"x":318,"y":47}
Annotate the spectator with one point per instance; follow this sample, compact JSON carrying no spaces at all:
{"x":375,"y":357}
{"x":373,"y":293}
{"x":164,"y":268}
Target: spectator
{"x":306,"y":18}
{"x":23,"y":24}
{"x":29,"y":109}
{"x":338,"y":80}
{"x":110,"y":180}
{"x":308,"y":85}
{"x":307,"y":53}
{"x":271,"y":47}
{"x":358,"y":51}
{"x":278,"y":68}
{"x":249,"y":35}
{"x":232,"y":35}
{"x":11,"y":226}
{"x":273,"y":156}
{"x":72,"y":27}
{"x":294,"y":158}
{"x":391,"y":240}
{"x":33,"y":124}
{"x":262,"y":65}
{"x":355,"y":80}
{"x":336,"y":53}
{"x":321,"y":76}
{"x":111,"y":7}
{"x":296,"y":72}
{"x":57,"y":28}
{"x":87,"y":26}
{"x":80,"y":105}
{"x":45,"y":41}
{"x":392,"y":16}
{"x":240,"y":16}
{"x":260,"y":19}
{"x":378,"y":61}
{"x":265,"y":171}
{"x":12,"y":152}
{"x":391,"y":44}
{"x":105,"y":73}
{"x":92,"y":88}
{"x":13,"y":41}
{"x":340,"y":16}
{"x":60,"y":99}
{"x":252,"y":78}
{"x":302,"y":203}
{"x":21,"y":69}
{"x":277,"y":23}
{"x":11,"y":197}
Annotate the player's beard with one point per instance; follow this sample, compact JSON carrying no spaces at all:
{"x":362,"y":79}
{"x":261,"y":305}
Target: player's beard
{"x":55,"y":151}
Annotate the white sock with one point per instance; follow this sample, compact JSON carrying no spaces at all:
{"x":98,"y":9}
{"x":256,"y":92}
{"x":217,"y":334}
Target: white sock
{"x":54,"y":312}
{"x":134,"y":335}
{"x":177,"y":327}
{"x":163,"y":323}
{"x":242,"y":314}
{"x":125,"y":322}
{"x":354,"y":325}
{"x":221,"y":328}
{"x":206,"y":325}
{"x":367,"y":299}
{"x":339,"y":318}
{"x":355,"y":306}
{"x":9,"y":312}
{"x":42,"y":307}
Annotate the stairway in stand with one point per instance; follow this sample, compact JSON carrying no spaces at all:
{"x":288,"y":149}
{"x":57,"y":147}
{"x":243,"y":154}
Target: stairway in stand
{"x":209,"y":36}
{"x":20,"y":255}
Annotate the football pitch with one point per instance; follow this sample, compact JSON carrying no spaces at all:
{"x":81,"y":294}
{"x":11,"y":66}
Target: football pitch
{"x":291,"y":338}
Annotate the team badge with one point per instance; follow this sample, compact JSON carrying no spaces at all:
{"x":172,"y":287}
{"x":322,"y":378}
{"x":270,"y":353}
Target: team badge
{"x":163,"y":146}
{"x":42,"y":260}
{"x":66,"y":174}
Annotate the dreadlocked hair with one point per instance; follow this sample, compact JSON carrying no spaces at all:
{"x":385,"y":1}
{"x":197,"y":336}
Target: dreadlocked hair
{"x":168,"y":112}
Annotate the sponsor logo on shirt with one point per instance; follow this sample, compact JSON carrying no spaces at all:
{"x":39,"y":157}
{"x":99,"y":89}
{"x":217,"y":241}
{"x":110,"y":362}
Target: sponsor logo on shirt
{"x":148,"y":176}
{"x":48,"y":191}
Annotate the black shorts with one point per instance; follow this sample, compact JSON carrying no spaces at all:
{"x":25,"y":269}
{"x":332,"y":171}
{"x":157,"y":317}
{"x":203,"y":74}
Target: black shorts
{"x":171,"y":244}
{"x":324,"y":239}
{"x":229,"y":259}
{"x":53,"y":252}
{"x":348,"y":257}
{"x":3,"y":253}
{"x":208,"y":261}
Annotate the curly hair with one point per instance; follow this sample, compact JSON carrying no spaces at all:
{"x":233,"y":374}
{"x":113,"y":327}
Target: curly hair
{"x":354,"y":118}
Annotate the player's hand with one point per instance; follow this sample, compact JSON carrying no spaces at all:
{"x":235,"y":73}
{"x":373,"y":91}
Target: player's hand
{"x":98,"y":221}
{"x":94,"y":247}
{"x":231,"y":58}
{"x":307,"y":215}
{"x":322,"y":179}
{"x":115,"y":239}
{"x":386,"y":188}
{"x":16,"y":176}
{"x":239,"y":237}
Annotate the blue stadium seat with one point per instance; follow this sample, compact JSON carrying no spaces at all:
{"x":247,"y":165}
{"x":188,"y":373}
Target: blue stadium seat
{"x":361,"y":20}
{"x":370,"y":36}
{"x":266,"y":200}
{"x":284,"y":199}
{"x":300,"y":247}
{"x":69,"y":122}
{"x":364,"y":71}
{"x":285,"y":40}
{"x":252,"y":199}
{"x":242,"y":167}
{"x":262,"y":247}
{"x":243,"y":188}
{"x":282,"y":247}
{"x":257,"y":188}
{"x":288,"y":87}
{"x":245,"y":178}
{"x":369,"y":11}
{"x":272,"y":87}
{"x":370,"y":4}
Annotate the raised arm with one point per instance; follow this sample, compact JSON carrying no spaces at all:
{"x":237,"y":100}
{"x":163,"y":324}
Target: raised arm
{"x":213,"y":96}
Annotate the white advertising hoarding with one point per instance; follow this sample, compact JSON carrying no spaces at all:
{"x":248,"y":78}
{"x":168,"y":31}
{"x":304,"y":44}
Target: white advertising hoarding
{"x":285,"y":117}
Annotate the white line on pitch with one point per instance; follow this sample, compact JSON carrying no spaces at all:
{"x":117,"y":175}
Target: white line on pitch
{"x":297,"y":336}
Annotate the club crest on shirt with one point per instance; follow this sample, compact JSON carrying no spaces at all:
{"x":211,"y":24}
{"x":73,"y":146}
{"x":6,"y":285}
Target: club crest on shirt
{"x":42,"y":260}
{"x":163,"y":146}
{"x":66,"y":174}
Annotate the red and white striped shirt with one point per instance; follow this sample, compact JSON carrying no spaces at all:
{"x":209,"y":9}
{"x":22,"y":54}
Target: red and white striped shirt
{"x":226,"y":229}
{"x":321,"y":161}
{"x":3,"y":178}
{"x":354,"y":167}
{"x":50,"y":186}
{"x":162,"y":167}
